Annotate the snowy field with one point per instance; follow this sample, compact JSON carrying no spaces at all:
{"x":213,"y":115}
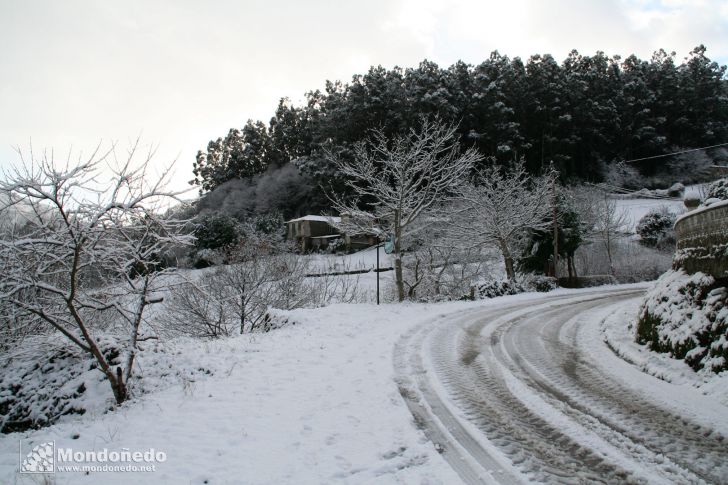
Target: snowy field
{"x":636,"y":209}
{"x":361,"y":260}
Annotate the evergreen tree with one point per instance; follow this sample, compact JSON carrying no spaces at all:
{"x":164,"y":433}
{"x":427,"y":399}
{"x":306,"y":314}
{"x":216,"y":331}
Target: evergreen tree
{"x":586,"y":114}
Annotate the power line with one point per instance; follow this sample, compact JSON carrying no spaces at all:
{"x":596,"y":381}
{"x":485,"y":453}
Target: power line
{"x":629,"y":194}
{"x":675,"y":153}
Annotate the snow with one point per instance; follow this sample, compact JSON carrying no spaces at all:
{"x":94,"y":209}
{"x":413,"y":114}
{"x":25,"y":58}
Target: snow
{"x":329,"y":219}
{"x":310,"y":403}
{"x":688,"y":318}
{"x":710,"y":204}
{"x":636,"y":209}
{"x":619,"y":333}
{"x":314,"y":402}
{"x":361,"y":260}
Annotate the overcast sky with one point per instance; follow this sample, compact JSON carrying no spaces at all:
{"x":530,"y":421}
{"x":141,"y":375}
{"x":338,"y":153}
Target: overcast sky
{"x":182,"y":72}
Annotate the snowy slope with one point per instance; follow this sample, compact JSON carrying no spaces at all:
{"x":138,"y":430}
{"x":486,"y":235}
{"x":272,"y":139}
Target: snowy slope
{"x":619,"y":332}
{"x":310,"y":403}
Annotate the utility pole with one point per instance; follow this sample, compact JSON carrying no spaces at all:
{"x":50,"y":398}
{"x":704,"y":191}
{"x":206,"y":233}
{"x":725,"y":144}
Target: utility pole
{"x":554,"y":202}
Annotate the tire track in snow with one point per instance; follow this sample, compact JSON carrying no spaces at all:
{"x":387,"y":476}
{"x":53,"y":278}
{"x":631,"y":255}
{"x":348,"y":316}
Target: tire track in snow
{"x":562,"y":365}
{"x":502,"y":384}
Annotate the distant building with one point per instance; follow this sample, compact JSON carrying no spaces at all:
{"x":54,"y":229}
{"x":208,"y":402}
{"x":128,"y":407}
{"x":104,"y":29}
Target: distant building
{"x":313,"y":232}
{"x":365,"y":237}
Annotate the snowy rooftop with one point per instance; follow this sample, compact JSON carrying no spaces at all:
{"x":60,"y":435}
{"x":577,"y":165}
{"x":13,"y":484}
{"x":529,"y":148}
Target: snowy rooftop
{"x":317,"y":218}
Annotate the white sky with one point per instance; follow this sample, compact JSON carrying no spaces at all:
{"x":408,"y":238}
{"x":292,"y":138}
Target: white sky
{"x":182,"y":72}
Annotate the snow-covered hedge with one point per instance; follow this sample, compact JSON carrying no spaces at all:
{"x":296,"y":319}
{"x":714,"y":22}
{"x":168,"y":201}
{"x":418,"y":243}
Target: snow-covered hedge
{"x":686,"y":315}
{"x":35,"y":393}
{"x":42,"y":381}
{"x":495,"y":288}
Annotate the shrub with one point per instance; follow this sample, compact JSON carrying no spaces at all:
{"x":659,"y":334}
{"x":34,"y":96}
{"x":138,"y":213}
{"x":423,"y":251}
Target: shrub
{"x":685,"y":315}
{"x":541,"y":283}
{"x":656,"y":228}
{"x":495,"y":288}
{"x":216,"y":232}
{"x":718,"y":190}
{"x":36,"y":393}
{"x":235,"y":298}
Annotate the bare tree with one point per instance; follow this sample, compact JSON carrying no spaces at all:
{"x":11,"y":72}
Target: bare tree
{"x":263,"y":281}
{"x":199,"y":308}
{"x":438,"y":265}
{"x":604,"y":220}
{"x":400,"y":178}
{"x":499,"y":207}
{"x":236,"y":297}
{"x":443,"y":271}
{"x":90,"y":252}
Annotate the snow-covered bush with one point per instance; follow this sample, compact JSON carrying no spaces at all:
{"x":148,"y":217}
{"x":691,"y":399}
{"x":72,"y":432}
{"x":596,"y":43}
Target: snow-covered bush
{"x":540,"y":283}
{"x":496,"y":288}
{"x":691,"y":167}
{"x":204,"y":258}
{"x":336,"y":284}
{"x":687,"y":316}
{"x":441,"y":272}
{"x":656,"y":228}
{"x":676,"y":190}
{"x":42,"y":381}
{"x":35,"y":392}
{"x":718,"y":190}
{"x":624,"y":175}
{"x":275,"y":319}
{"x":529,"y":282}
{"x":216,"y":231}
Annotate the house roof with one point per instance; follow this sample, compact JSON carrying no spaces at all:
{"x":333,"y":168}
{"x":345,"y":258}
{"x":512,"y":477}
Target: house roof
{"x":328,"y":219}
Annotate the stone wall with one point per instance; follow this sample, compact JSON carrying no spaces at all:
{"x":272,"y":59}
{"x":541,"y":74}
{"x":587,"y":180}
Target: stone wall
{"x":702,"y":241}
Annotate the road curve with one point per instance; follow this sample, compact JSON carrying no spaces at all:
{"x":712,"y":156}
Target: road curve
{"x":528,"y":391}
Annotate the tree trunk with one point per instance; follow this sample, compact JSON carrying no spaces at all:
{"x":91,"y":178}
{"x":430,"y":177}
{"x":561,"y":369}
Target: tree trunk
{"x":115,"y":380}
{"x":572,"y":267}
{"x":510,"y":272}
{"x":508,"y":260}
{"x":398,"y":275}
{"x":569,"y":268}
{"x":609,"y":254}
{"x":242,"y":312}
{"x":120,"y":391}
{"x":398,"y":257}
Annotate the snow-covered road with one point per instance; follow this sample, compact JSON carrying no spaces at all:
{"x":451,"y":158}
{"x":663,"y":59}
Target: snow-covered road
{"x":531,"y":391}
